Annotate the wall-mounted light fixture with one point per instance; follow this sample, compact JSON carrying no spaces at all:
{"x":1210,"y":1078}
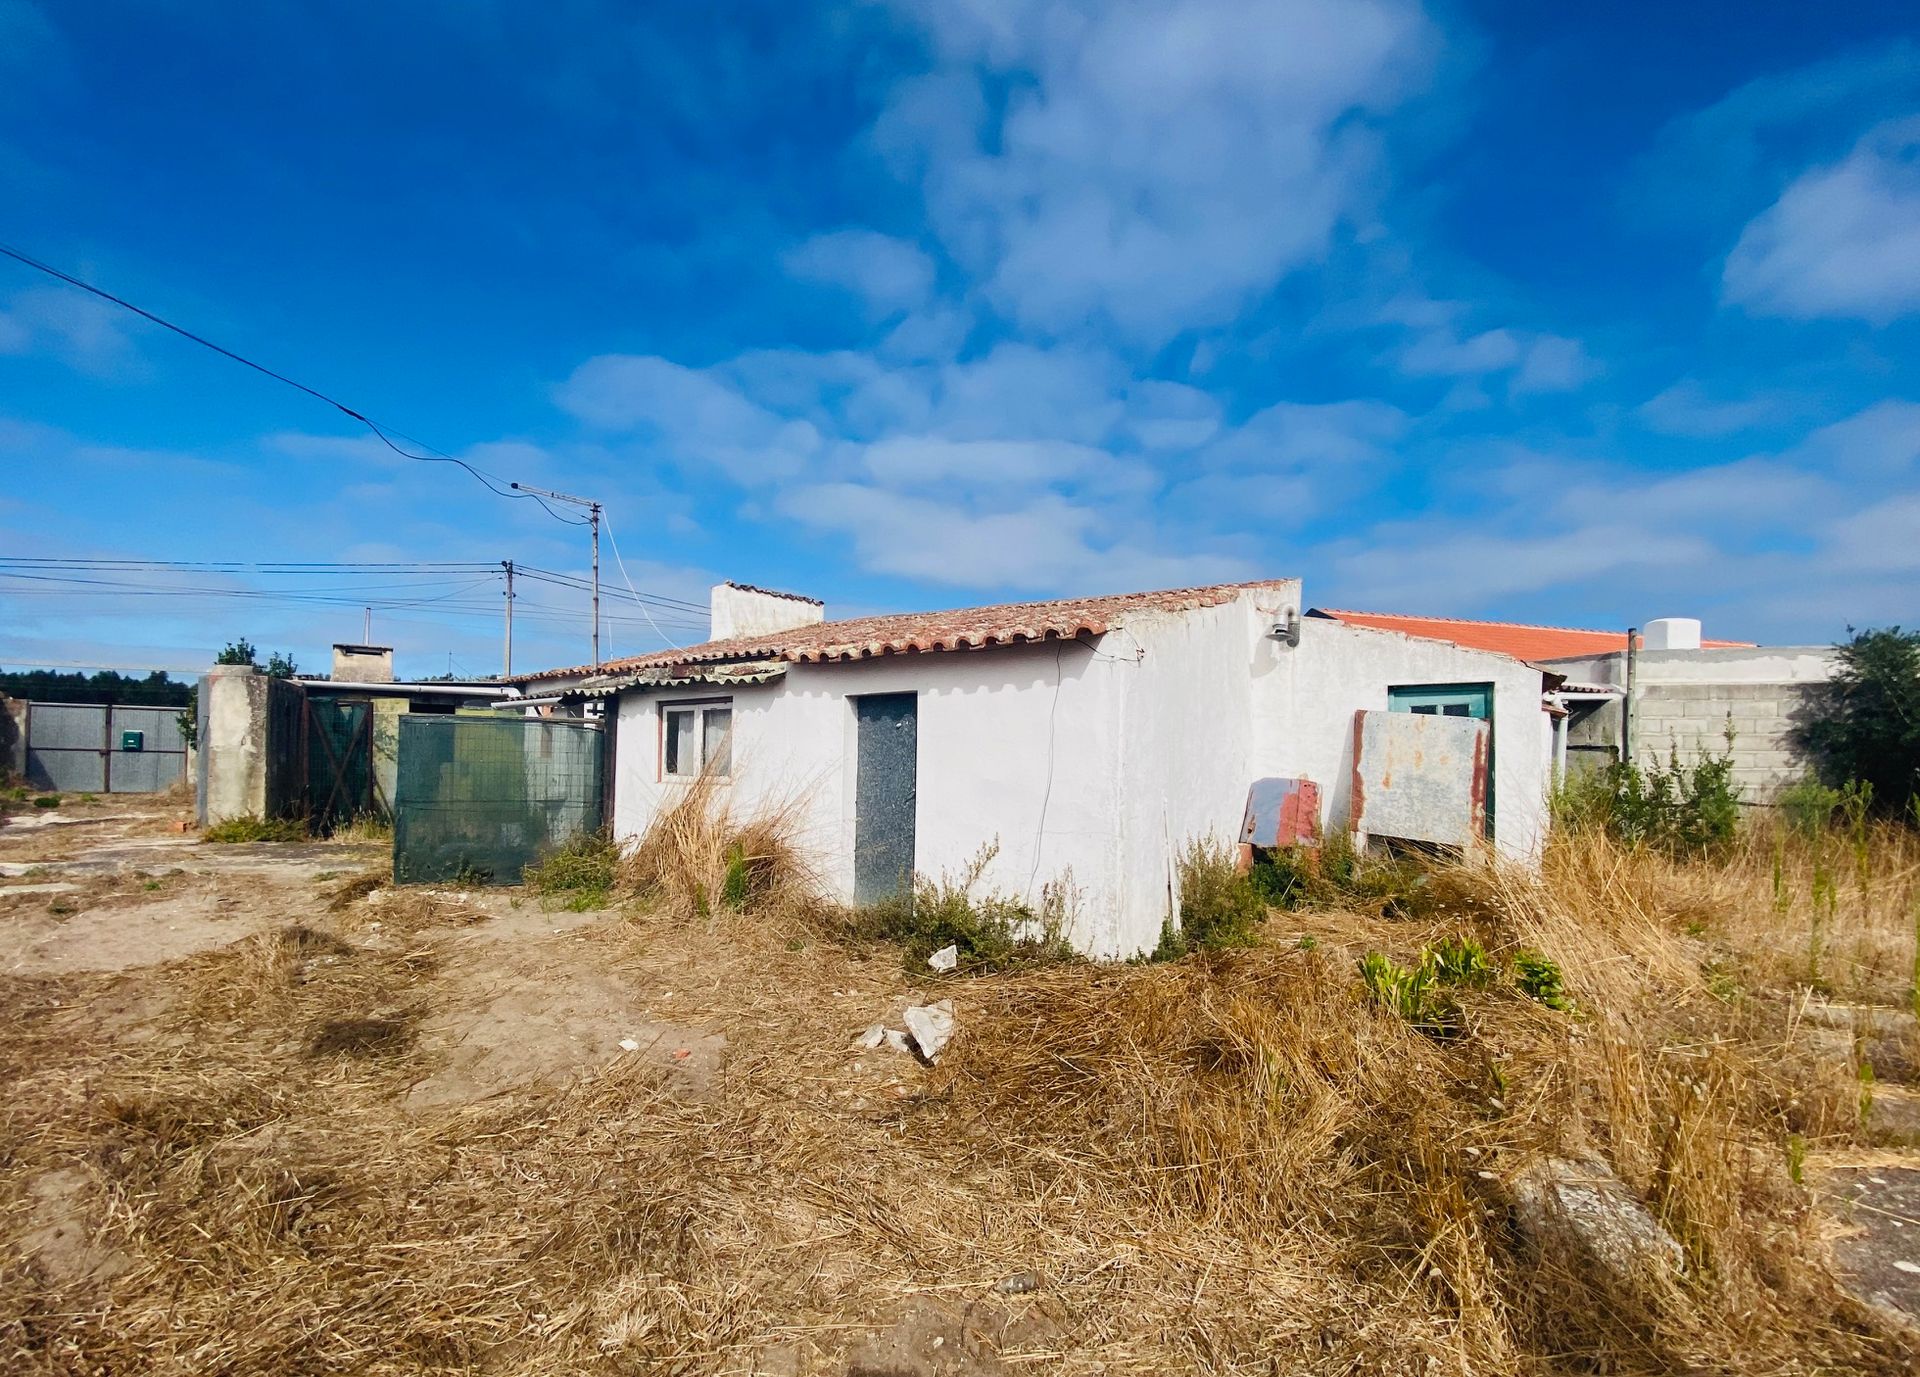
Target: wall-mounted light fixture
{"x":1286,"y":628}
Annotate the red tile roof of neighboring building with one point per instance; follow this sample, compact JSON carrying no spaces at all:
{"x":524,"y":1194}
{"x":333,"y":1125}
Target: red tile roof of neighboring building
{"x":964,"y":628}
{"x":1518,"y":639}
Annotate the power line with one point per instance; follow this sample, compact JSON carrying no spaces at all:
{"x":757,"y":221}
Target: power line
{"x":573,"y":581}
{"x":431,"y":456}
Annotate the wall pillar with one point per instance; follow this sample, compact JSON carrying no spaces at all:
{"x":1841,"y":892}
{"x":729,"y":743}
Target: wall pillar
{"x":233,"y":744}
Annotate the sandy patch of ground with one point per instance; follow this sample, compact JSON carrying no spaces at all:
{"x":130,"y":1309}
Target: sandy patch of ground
{"x":544,"y":1012}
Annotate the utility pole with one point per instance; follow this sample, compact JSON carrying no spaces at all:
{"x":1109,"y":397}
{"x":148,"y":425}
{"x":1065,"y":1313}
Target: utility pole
{"x":593,"y":520}
{"x":366,"y":626}
{"x":506,"y":670}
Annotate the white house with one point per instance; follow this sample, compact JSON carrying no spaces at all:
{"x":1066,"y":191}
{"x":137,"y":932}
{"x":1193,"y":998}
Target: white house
{"x":1673,"y":692}
{"x":1086,"y":739}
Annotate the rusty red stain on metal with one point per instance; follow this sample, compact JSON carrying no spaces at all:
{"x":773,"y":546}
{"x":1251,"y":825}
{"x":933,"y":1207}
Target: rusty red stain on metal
{"x":1357,"y":804}
{"x":1478,"y":806}
{"x":1300,"y":816}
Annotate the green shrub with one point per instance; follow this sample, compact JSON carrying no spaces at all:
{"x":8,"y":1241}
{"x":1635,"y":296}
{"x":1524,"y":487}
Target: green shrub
{"x":1539,"y":978}
{"x":1680,"y":808}
{"x":1460,"y":961}
{"x":1807,"y":806}
{"x":1413,"y":993}
{"x":1864,"y":722}
{"x":251,"y":827}
{"x":1219,"y":907}
{"x":47,"y":801}
{"x":990,"y":932}
{"x":579,"y":874}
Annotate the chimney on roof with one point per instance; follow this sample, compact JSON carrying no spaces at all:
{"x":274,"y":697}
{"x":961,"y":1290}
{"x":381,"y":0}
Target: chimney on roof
{"x":363,"y":664}
{"x":1671,"y":633}
{"x":740,"y":609}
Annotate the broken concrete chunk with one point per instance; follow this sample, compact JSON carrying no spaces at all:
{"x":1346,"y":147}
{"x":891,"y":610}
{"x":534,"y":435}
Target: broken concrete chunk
{"x":931,"y":1026}
{"x":1580,"y":1207}
{"x":897,"y":1040}
{"x":872,"y":1038}
{"x":945,"y":959}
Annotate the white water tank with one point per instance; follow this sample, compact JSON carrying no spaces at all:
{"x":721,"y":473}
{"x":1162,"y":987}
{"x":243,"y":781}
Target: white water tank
{"x":1671,"y":633}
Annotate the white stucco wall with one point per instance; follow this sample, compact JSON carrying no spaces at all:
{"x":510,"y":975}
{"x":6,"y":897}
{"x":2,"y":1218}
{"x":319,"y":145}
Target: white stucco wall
{"x":1095,"y":762}
{"x":1307,"y":730}
{"x":1014,"y":744}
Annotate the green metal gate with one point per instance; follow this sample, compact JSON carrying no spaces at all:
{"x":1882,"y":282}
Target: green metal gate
{"x":477,"y":798}
{"x":339,"y":761}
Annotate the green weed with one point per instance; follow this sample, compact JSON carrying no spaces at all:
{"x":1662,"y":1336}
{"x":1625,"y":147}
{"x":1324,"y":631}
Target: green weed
{"x":251,"y":827}
{"x":990,"y":932}
{"x":579,"y":874}
{"x":1539,"y":978}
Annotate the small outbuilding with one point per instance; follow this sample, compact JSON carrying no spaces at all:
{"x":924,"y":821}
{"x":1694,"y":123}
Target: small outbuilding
{"x":1083,"y":743}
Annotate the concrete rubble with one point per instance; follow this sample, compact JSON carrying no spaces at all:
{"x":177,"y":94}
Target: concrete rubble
{"x":1580,"y":1207}
{"x":929,"y":1029}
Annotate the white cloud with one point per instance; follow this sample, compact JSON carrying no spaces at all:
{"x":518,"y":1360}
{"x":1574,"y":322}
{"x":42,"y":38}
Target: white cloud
{"x":890,"y":275}
{"x":1159,"y":164}
{"x":1882,"y":440}
{"x":695,"y":418}
{"x":1722,"y":159}
{"x":1298,"y":435}
{"x":1536,"y":362}
{"x":1044,"y":543}
{"x":1171,"y":416}
{"x":1553,"y":363}
{"x":915,"y":460}
{"x":1842,"y":240}
{"x":1880,"y":538}
{"x":1688,"y":409}
{"x":81,"y":330}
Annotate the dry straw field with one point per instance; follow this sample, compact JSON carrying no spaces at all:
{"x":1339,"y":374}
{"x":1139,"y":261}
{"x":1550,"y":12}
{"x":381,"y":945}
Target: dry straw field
{"x":1238,"y":1161}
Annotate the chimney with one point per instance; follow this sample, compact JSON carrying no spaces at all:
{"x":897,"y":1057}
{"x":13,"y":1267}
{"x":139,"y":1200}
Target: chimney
{"x":363,"y":664}
{"x":740,"y":609}
{"x":1671,"y":633}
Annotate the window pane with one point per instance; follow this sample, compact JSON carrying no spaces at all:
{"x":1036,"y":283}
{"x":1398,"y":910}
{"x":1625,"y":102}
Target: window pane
{"x":716,"y":745}
{"x":680,"y":741}
{"x":1456,"y":710}
{"x":1427,"y":708}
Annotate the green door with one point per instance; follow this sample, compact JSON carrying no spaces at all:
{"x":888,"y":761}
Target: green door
{"x":1452,"y":700}
{"x":339,"y":762}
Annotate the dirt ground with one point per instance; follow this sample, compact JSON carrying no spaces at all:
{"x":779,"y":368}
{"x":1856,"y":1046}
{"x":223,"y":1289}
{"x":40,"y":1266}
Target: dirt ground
{"x":133,"y":953}
{"x":268,"y":1113}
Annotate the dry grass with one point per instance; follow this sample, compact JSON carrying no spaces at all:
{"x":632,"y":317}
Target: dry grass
{"x":698,"y":856}
{"x":1232,"y":1163}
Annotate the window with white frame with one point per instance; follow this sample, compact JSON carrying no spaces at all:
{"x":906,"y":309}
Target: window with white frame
{"x":696,"y":737}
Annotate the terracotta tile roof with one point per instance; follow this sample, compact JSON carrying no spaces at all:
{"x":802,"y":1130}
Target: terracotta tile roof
{"x":963,"y":628}
{"x":1518,"y":639}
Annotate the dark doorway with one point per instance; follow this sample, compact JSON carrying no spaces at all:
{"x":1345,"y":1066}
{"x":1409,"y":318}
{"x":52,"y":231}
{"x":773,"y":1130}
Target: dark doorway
{"x":339,"y":765}
{"x":886,"y":783}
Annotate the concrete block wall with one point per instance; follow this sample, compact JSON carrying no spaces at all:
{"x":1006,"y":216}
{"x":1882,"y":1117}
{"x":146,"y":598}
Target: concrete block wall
{"x":1694,"y":717}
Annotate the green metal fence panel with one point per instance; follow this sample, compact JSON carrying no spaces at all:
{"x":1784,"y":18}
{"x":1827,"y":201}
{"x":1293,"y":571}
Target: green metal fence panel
{"x":478,"y":798}
{"x":339,"y":762}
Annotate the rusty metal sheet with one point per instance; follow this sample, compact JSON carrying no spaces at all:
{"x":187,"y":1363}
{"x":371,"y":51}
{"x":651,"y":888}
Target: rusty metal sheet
{"x":1281,"y":812}
{"x":1420,"y":777}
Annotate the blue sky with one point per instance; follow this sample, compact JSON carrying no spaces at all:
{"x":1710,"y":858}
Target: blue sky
{"x":1580,"y":315}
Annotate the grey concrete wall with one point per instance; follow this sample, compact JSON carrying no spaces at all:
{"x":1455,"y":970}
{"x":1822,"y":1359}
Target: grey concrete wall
{"x":250,"y":743}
